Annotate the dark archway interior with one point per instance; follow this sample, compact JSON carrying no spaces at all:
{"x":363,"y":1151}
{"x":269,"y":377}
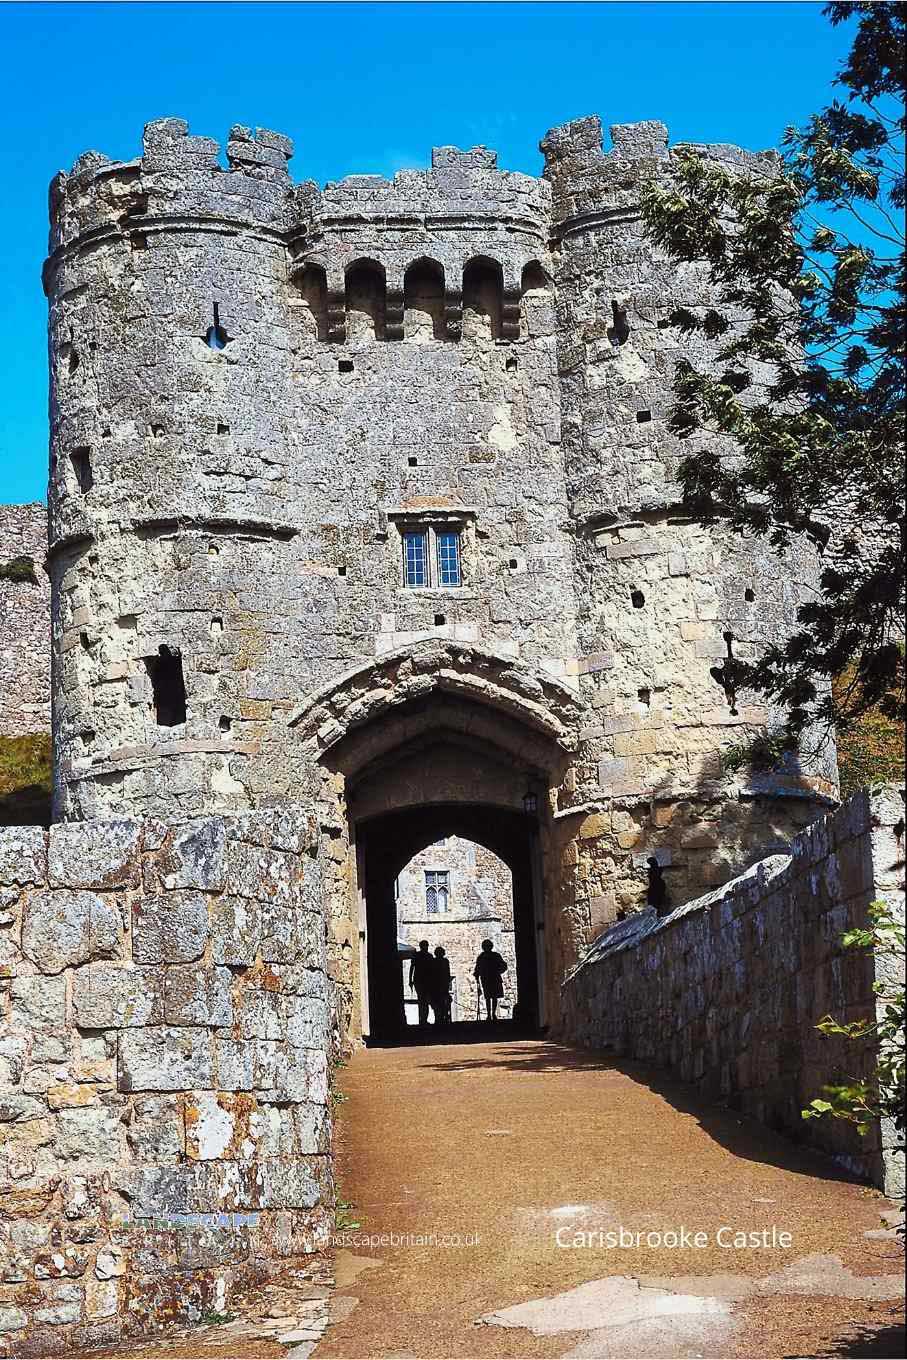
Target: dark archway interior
{"x":387,"y":843}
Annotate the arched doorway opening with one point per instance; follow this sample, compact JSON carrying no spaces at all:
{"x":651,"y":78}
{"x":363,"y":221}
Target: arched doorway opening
{"x":385,"y":845}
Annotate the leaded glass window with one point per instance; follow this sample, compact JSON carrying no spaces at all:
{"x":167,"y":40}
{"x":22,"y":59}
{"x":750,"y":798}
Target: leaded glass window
{"x":415,"y":559}
{"x":448,"y":559}
{"x":437,"y":891}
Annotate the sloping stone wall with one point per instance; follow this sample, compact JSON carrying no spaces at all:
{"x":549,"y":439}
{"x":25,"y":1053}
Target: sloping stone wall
{"x":164,"y":1063}
{"x":24,"y":623}
{"x":728,"y":989}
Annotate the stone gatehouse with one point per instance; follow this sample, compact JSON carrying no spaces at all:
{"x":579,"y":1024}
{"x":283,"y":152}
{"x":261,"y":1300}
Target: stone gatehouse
{"x":364,"y":532}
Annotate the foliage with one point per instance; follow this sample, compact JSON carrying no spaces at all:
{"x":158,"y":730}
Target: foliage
{"x":19,"y":570}
{"x":345,"y":1219}
{"x":861,"y":1101}
{"x":209,"y":1317}
{"x":767,"y":750}
{"x":807,"y":266}
{"x":25,"y":780}
{"x":871,"y":750}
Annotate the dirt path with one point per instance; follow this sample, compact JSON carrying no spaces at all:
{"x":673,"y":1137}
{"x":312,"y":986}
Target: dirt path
{"x":502,"y":1145}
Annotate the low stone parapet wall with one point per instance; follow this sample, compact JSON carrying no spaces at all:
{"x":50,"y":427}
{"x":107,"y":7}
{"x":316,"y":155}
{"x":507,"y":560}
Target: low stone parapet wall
{"x":727,"y":990}
{"x":164,"y":1070}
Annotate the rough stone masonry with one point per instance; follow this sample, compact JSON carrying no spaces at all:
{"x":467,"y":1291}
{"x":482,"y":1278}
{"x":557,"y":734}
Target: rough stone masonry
{"x":163,"y":1069}
{"x":362,"y":504}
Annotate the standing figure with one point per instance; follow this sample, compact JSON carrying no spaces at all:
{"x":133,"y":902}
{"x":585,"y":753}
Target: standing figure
{"x":489,"y":973}
{"x":422,"y":971}
{"x":441,"y":999}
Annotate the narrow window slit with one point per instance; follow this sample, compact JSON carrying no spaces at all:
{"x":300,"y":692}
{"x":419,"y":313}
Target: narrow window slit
{"x":749,"y":596}
{"x":215,"y":336}
{"x":168,"y":686}
{"x":222,"y":428}
{"x":345,"y":366}
{"x":637,"y":599}
{"x":81,"y":463}
{"x":225,"y":723}
{"x":440,"y":620}
{"x":412,"y":462}
{"x":619,"y":330}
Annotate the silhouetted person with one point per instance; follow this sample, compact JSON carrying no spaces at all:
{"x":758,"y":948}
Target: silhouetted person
{"x":489,"y":974}
{"x":658,"y":896}
{"x":422,"y":970}
{"x":441,"y":998}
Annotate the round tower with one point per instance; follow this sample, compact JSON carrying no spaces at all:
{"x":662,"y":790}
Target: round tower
{"x":169,"y":336}
{"x":665,"y":606}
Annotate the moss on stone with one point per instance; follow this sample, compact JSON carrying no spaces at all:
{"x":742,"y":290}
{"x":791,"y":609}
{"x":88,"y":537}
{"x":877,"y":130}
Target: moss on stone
{"x":19,"y":570}
{"x":25,"y":780}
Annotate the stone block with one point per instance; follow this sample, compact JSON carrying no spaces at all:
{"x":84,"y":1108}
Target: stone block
{"x":235,"y":929}
{"x":39,"y":1003}
{"x":23,"y":855}
{"x":195,"y":857}
{"x":155,"y":1130}
{"x":63,"y":928}
{"x":102,"y":855}
{"x":197,"y":996}
{"x":164,"y":1058}
{"x":259,"y":873}
{"x":305,"y":1021}
{"x":91,"y":1135}
{"x":107,"y":997}
{"x":170,"y":928}
{"x":235,"y":1064}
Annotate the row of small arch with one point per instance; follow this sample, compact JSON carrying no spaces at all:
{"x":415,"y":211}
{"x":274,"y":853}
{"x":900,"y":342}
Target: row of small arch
{"x":367,"y":304}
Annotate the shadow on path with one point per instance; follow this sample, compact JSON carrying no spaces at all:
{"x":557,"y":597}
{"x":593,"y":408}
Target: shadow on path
{"x":737,"y":1132}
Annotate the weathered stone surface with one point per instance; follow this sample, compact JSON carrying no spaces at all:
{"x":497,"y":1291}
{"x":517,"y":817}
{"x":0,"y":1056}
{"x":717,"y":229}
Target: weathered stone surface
{"x":61,"y":929}
{"x":23,"y":853}
{"x":162,"y":1058}
{"x":155,"y":1131}
{"x":235,"y":929}
{"x":39,"y":1003}
{"x":89,"y":1135}
{"x":728,"y":989}
{"x":108,"y":997}
{"x":197,"y":996}
{"x":101,"y":855}
{"x":195,"y":857}
{"x":170,"y":928}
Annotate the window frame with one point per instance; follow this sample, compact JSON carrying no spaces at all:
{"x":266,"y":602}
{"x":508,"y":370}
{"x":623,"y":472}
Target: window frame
{"x":409,"y":537}
{"x":442,"y":886}
{"x":447,"y":538}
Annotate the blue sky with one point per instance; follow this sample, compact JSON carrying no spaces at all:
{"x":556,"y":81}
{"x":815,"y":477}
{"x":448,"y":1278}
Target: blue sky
{"x":362,"y":88}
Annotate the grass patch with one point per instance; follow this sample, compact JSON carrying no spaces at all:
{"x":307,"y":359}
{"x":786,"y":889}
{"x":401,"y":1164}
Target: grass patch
{"x":25,"y":780}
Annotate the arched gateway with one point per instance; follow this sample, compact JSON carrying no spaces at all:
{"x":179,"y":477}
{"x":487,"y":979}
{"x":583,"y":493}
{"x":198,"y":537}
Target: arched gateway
{"x":436,"y":740}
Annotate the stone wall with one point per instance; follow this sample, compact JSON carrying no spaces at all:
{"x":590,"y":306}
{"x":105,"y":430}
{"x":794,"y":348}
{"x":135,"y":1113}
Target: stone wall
{"x":728,"y":989}
{"x":24,"y":623}
{"x":480,"y":907}
{"x":164,"y":1056}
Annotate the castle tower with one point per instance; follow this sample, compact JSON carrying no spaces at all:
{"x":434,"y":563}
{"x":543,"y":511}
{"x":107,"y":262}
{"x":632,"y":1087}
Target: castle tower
{"x":664,"y":605}
{"x":369,"y":491}
{"x":260,"y":393}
